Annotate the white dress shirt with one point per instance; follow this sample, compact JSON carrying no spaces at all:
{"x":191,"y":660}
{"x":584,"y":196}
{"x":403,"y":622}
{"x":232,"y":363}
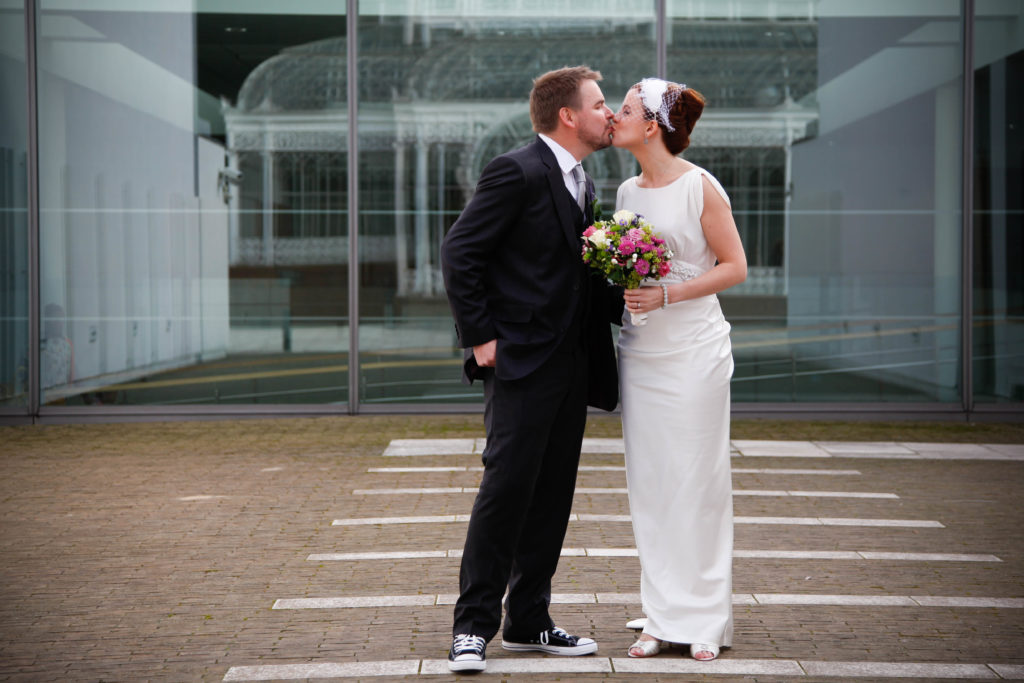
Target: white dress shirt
{"x":566,"y":162}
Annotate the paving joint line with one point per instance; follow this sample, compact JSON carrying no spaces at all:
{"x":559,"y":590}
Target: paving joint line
{"x":724,"y":666}
{"x":456,"y":553}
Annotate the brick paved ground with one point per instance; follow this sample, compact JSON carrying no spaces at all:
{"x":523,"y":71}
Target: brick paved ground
{"x":156,"y":552}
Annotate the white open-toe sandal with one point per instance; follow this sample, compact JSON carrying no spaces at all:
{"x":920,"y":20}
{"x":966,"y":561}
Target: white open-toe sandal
{"x":647,"y":648}
{"x":703,"y":652}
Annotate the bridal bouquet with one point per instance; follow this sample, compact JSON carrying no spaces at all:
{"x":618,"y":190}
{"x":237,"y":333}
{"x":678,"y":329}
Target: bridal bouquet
{"x":626,"y":251}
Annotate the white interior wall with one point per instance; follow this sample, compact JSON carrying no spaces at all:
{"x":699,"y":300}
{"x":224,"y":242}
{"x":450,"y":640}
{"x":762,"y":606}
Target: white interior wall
{"x":127,"y":251}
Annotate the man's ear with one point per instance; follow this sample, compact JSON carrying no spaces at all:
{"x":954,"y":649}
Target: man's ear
{"x":567,"y":116}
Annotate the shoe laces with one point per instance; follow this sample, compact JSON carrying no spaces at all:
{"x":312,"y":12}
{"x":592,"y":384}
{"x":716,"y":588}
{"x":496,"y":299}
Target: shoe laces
{"x":465,"y":643}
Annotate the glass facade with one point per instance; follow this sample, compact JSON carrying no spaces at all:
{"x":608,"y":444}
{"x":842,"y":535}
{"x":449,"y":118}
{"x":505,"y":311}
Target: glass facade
{"x":998,"y":248}
{"x":242,"y":204}
{"x":441,"y":94}
{"x":850,"y":209}
{"x":14,"y":249}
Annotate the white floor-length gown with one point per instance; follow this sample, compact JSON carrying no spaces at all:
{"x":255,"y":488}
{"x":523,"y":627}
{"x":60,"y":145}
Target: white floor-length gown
{"x":675,"y":373}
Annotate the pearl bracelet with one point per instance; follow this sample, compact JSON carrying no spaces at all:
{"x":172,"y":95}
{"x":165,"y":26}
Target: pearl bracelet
{"x":664,"y":296}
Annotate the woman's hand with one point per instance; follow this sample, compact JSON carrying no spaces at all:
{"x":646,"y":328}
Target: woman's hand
{"x":643,"y":299}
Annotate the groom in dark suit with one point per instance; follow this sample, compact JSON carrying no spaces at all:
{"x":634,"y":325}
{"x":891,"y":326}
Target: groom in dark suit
{"x":535,"y":326}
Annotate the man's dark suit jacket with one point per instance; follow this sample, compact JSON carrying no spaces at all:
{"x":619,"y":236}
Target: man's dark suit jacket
{"x":513,"y":271}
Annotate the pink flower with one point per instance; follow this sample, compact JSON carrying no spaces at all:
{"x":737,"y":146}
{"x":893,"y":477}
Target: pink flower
{"x":625,"y":250}
{"x":663,"y":268}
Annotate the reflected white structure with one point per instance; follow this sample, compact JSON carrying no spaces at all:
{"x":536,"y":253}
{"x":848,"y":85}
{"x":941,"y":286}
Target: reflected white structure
{"x":197,"y":193}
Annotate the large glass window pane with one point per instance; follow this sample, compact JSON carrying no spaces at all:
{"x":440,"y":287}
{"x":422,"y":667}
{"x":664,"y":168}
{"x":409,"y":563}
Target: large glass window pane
{"x":441,"y":93}
{"x":835,"y":127}
{"x":998,"y":201}
{"x":193,"y":174}
{"x":13,"y":214}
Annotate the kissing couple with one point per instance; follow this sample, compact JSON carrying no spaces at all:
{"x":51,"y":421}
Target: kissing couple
{"x":535,"y":325}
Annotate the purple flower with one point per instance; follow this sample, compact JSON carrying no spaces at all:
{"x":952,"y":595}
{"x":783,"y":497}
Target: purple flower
{"x":626,"y":247}
{"x":642,"y":267}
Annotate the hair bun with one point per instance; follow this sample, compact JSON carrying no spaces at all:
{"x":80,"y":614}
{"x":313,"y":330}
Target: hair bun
{"x":687,"y":108}
{"x":689,"y":105}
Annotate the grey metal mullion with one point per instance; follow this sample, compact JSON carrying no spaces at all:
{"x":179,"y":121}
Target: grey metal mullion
{"x":661,"y":30}
{"x":32,"y":207}
{"x":967,"y":215}
{"x":352,"y":10}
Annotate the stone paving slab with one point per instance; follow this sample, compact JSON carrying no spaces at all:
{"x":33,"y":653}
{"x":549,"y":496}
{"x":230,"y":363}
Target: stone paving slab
{"x":158,"y":551}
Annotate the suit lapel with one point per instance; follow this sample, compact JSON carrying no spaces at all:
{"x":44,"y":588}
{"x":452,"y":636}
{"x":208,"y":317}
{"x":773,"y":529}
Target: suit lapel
{"x":560,"y":197}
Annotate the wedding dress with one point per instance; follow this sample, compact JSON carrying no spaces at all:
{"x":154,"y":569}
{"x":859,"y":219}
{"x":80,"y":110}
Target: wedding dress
{"x":675,"y":370}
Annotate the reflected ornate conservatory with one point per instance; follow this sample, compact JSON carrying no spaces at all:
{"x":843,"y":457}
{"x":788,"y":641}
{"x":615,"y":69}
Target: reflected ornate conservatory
{"x":428,"y":127}
{"x":210,"y":207}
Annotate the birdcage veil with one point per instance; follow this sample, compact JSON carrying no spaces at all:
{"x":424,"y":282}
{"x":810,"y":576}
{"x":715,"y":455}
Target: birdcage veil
{"x":658,"y":99}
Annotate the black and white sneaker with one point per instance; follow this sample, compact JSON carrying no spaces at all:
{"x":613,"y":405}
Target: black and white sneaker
{"x":467,"y":653}
{"x":554,"y":641}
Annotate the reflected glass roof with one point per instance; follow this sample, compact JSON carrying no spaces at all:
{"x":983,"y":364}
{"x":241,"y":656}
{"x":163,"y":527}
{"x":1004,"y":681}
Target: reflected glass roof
{"x":736,"y":64}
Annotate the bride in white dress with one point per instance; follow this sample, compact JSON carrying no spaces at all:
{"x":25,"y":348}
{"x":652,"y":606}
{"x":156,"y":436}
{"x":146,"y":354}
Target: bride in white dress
{"x":675,"y":366}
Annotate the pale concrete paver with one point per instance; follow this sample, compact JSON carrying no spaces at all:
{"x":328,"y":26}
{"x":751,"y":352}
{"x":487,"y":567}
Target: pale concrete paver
{"x":157,"y":552}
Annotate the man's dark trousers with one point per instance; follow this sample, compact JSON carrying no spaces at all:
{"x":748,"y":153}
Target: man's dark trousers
{"x":534,"y":431}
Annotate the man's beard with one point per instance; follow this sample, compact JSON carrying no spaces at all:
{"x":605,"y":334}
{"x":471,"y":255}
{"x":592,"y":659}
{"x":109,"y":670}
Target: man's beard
{"x":596,"y":142}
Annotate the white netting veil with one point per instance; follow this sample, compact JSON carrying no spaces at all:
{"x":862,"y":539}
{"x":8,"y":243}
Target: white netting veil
{"x":658,"y":99}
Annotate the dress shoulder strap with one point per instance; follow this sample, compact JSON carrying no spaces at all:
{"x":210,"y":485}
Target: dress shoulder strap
{"x":697,"y":189}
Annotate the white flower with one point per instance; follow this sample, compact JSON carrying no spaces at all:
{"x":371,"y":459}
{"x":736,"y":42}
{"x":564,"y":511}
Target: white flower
{"x":623,"y":217}
{"x":599,"y":238}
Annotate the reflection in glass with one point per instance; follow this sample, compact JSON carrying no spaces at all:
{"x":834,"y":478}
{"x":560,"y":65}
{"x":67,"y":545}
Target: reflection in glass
{"x":13,"y":214}
{"x":441,"y":95}
{"x":998,"y":202}
{"x":194,"y":208}
{"x":845,"y":187}
{"x":190,"y":225}
{"x":287,"y":134}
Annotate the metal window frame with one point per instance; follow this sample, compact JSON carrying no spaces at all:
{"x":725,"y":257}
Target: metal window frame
{"x":661,"y":19}
{"x":30,"y":413}
{"x":967,"y":213}
{"x":351,"y":47}
{"x":32,"y":207}
{"x":966,"y":410}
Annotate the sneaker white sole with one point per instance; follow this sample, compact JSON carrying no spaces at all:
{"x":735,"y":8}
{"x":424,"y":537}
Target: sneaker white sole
{"x":467,"y":665}
{"x":586,"y":649}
